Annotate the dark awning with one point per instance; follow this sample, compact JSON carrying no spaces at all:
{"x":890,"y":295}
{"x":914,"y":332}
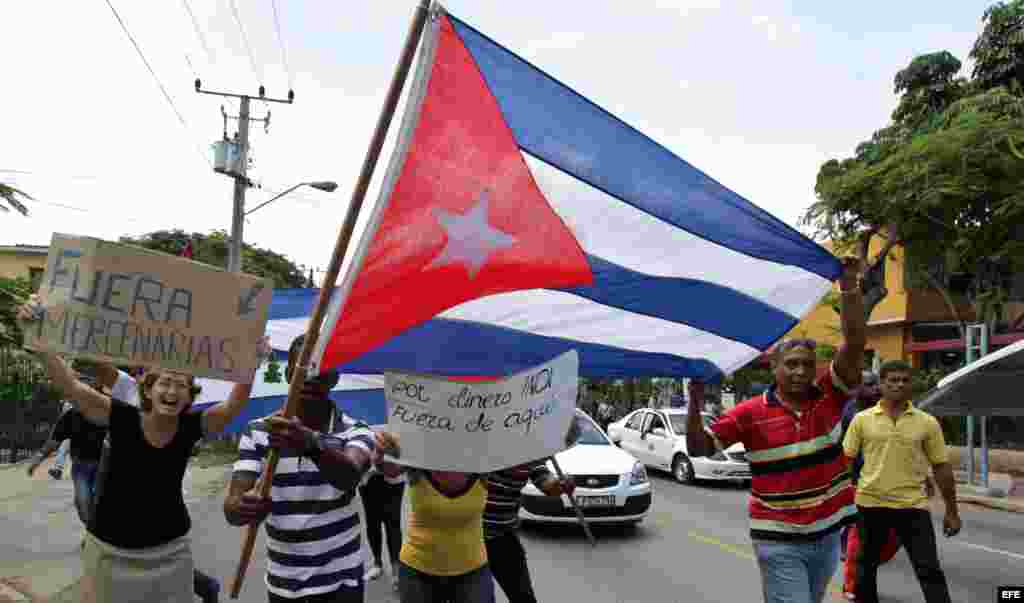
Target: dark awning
{"x":989,"y":386}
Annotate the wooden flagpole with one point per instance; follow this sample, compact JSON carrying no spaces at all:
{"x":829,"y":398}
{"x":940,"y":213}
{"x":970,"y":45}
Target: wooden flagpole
{"x":576,"y":507}
{"x":334,"y":267}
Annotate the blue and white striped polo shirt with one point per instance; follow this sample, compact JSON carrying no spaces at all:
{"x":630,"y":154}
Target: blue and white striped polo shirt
{"x":313,"y":531}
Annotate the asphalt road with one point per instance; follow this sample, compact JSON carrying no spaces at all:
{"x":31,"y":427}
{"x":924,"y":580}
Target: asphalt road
{"x":693,"y":547}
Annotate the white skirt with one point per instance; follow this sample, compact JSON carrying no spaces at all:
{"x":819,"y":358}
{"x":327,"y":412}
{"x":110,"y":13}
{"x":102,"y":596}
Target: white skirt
{"x":161,"y":574}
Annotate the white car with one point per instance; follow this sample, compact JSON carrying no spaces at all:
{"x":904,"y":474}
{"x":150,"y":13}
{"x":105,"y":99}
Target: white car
{"x":657,"y":437}
{"x":611,"y":485}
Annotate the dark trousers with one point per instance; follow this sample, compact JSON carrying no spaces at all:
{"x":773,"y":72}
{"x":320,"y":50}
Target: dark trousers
{"x":83,"y":474}
{"x":507,"y":559}
{"x":916,"y":533}
{"x":416,"y":587}
{"x":205,"y":587}
{"x":342,"y":595}
{"x":382,"y":503}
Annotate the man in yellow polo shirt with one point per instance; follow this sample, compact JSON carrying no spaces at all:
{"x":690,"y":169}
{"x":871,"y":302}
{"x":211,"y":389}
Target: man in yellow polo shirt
{"x":899,"y":443}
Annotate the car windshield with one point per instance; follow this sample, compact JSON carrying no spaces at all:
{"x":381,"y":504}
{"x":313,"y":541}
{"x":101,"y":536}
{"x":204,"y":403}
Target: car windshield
{"x":679,"y":422}
{"x":589,"y":434}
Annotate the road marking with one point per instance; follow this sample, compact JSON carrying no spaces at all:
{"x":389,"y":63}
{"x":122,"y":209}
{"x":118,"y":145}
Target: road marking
{"x":837,"y":590}
{"x":735,"y":550}
{"x":990,"y":549}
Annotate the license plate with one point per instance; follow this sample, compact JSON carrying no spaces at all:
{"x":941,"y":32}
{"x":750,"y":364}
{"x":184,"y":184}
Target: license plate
{"x":595,"y":501}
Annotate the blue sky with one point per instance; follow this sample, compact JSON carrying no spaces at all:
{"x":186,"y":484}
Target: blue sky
{"x":757,"y":94}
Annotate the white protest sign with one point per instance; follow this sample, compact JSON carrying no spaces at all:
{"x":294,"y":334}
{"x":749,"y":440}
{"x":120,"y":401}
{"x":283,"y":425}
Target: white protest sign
{"x":133,"y":306}
{"x":479,"y":427}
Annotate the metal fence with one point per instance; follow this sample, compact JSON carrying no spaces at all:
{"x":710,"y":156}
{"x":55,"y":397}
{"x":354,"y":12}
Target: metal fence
{"x":28,"y":407}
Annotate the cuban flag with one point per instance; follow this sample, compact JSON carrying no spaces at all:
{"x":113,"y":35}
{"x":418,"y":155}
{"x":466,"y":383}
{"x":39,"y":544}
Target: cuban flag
{"x":518,"y":220}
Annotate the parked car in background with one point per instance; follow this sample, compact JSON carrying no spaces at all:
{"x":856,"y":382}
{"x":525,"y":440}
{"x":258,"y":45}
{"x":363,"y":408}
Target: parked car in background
{"x":657,"y":438}
{"x":611,"y":485}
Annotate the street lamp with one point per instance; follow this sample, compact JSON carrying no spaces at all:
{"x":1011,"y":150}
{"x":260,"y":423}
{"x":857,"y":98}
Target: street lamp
{"x":235,"y":257}
{"x":326,"y":186}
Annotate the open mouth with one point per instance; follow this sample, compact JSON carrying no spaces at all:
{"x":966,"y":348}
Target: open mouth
{"x":169,"y":404}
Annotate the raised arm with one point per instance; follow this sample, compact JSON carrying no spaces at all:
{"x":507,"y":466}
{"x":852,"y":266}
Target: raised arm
{"x":698,"y":440}
{"x":849,"y":359}
{"x":92,"y":404}
{"x":217,"y":417}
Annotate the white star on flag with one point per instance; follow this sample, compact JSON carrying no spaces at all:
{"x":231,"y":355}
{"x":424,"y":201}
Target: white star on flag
{"x":471,"y":239}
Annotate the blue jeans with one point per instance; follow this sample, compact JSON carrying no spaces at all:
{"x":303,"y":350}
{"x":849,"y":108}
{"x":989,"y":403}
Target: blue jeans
{"x":83,"y":473}
{"x":62,"y":455}
{"x":797,"y":572}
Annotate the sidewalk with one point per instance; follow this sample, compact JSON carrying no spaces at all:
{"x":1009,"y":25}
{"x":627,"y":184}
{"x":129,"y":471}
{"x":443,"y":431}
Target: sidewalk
{"x":39,"y":561}
{"x":993,"y":497}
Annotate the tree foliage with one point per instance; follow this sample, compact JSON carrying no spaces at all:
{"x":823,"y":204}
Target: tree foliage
{"x":13,"y":293}
{"x":945,"y":177}
{"x":998,"y":52}
{"x":13,"y":197}
{"x":212,"y":249}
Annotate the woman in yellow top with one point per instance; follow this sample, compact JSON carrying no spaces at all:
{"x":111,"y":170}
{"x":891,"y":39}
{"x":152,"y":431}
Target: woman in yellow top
{"x":443,"y":558}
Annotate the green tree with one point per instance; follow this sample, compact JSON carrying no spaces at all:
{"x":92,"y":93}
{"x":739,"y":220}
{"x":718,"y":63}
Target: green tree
{"x":212,"y":249}
{"x":13,"y":196}
{"x":941,"y":179}
{"x":13,"y":292}
{"x":998,"y":52}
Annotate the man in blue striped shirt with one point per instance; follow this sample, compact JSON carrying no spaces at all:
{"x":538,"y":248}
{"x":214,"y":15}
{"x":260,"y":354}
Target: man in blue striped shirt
{"x":314,"y":552}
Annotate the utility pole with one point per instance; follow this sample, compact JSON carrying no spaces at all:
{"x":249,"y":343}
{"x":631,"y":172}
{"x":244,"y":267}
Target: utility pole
{"x":241,"y":166}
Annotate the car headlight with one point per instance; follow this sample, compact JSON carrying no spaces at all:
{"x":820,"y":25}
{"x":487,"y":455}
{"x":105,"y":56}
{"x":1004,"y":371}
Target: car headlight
{"x":639,"y":475}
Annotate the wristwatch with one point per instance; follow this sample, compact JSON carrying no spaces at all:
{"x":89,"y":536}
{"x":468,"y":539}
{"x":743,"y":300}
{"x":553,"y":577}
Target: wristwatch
{"x":314,"y":445}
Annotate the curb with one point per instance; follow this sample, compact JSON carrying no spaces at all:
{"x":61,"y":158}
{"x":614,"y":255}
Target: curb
{"x":991,"y":503}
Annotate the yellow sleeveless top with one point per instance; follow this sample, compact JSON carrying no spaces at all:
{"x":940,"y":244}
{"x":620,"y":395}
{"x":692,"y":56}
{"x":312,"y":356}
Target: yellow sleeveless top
{"x":445,"y":536}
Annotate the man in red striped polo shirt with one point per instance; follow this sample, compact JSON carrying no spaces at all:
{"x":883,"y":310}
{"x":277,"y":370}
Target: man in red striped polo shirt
{"x":801,"y":494}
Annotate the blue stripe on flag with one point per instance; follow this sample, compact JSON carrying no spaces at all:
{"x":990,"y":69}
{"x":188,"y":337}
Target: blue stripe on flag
{"x":365,"y":405}
{"x":292,"y":303}
{"x":444,"y":346}
{"x":702,"y":305}
{"x":559,"y":126}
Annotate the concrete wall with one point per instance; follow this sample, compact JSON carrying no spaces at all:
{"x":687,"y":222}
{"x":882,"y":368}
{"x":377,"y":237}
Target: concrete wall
{"x":14,"y":264}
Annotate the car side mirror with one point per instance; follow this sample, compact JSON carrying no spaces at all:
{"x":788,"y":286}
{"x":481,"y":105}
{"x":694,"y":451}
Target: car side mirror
{"x":659,"y":431}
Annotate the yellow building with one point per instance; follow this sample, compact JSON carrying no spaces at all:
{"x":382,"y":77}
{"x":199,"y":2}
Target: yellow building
{"x":911,"y":323}
{"x":24,"y":261}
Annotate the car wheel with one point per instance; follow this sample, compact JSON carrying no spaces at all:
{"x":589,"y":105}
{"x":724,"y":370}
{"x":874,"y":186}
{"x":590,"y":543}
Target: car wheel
{"x":682,"y":469}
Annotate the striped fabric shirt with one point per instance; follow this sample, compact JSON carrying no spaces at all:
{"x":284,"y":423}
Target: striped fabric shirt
{"x":313,"y":531}
{"x":800,"y":486}
{"x":504,"y":496}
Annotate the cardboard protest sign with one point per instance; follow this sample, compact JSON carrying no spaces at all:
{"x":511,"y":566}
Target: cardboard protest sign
{"x":133,"y":306}
{"x":478,"y":427}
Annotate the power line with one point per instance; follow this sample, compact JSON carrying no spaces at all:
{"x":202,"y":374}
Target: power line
{"x":81,"y":209}
{"x":34,"y":173}
{"x":148,"y":66}
{"x":191,"y":68}
{"x":159,"y":83}
{"x":245,"y":40}
{"x":280,"y":42}
{"x":199,"y":31}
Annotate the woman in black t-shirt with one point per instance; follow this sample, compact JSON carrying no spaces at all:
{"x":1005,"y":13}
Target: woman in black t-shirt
{"x":129,"y":555}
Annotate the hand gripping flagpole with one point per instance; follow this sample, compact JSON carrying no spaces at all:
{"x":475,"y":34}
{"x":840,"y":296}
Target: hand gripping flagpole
{"x":575,"y":505}
{"x":571,"y":438}
{"x":334,"y":267}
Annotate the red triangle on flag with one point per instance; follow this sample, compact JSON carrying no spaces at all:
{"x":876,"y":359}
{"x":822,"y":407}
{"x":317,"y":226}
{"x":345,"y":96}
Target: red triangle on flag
{"x":465,"y":218}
